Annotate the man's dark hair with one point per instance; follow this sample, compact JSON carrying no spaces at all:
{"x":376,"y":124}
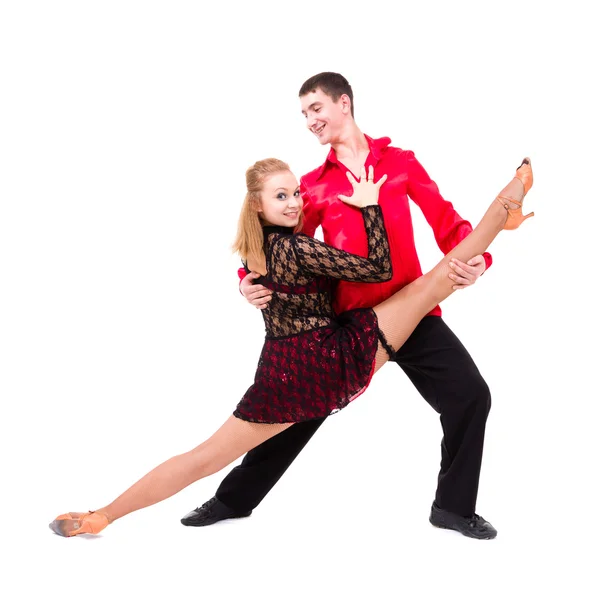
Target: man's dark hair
{"x":332,"y":84}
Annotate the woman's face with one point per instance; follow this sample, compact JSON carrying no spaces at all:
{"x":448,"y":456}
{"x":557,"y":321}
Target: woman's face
{"x":280,"y":200}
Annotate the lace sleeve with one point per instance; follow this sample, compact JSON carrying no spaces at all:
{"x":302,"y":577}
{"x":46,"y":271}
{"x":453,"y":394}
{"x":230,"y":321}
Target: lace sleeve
{"x":317,"y":258}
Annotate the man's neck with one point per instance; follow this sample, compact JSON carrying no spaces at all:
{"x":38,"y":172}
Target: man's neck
{"x":351,"y":144}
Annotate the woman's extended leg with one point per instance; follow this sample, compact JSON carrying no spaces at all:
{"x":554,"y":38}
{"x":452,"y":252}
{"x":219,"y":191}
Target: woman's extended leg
{"x":233,"y":439}
{"x":401,"y":313}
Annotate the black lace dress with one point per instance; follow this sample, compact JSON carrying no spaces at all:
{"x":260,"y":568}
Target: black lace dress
{"x":313,"y":362}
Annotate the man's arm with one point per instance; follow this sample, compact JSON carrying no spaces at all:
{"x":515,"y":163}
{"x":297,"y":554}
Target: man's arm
{"x":256,"y":294}
{"x":449,"y":228}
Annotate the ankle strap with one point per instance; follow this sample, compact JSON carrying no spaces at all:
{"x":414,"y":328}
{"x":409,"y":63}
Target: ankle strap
{"x":503,"y":200}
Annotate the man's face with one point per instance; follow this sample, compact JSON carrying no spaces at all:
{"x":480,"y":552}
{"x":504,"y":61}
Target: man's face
{"x":324,"y":117}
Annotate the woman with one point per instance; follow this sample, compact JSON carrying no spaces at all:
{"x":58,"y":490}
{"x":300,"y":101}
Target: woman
{"x":313,"y":363}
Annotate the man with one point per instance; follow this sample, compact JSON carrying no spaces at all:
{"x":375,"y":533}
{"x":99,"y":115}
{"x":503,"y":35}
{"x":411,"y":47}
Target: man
{"x":433,"y":358}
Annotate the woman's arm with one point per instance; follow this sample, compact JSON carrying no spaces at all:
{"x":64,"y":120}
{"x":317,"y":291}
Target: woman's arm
{"x":317,"y":258}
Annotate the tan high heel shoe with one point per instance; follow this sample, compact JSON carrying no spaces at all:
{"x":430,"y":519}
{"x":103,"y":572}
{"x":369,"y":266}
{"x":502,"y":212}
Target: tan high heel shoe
{"x":71,"y":524}
{"x":515,"y":215}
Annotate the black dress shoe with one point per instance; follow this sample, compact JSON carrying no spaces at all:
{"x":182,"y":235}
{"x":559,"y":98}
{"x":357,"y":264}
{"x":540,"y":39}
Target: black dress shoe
{"x":210,"y":512}
{"x":474,"y":526}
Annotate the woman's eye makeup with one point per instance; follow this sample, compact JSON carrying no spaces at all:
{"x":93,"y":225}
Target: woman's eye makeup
{"x":283,"y":195}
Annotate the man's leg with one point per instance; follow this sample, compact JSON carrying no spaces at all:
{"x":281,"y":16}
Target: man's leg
{"x":247,"y":484}
{"x":444,"y":373}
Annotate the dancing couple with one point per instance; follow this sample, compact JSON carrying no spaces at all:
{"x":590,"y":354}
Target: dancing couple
{"x":323,"y":343}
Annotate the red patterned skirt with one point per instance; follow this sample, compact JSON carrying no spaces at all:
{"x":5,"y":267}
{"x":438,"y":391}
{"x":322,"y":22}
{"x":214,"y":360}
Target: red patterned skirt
{"x":312,"y":374}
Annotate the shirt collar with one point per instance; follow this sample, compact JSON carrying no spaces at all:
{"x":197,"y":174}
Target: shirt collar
{"x":376,"y":147}
{"x":269,"y":229}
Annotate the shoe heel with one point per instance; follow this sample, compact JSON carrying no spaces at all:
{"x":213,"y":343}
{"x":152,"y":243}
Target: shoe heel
{"x":515,"y":215}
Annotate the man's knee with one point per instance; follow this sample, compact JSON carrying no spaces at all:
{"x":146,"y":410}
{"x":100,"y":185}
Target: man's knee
{"x":479,"y":395}
{"x":468,"y":394}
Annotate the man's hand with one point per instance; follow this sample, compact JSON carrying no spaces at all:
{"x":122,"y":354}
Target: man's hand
{"x":466,"y":274}
{"x":257,"y":295}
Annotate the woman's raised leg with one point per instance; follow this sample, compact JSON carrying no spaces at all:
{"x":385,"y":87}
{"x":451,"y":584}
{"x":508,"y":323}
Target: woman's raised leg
{"x":401,"y":313}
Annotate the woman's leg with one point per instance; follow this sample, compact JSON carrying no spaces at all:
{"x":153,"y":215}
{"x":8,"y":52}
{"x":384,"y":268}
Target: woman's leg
{"x":401,"y":313}
{"x":233,"y":439}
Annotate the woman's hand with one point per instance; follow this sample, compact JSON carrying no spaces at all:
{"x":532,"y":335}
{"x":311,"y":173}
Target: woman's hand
{"x":365,"y":191}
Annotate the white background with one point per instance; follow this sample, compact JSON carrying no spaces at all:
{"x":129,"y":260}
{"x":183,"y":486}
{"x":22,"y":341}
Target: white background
{"x":126,"y":129}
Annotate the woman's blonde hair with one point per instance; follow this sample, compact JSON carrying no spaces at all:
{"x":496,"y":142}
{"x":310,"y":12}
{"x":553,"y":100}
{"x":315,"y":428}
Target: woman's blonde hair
{"x":249,"y":241}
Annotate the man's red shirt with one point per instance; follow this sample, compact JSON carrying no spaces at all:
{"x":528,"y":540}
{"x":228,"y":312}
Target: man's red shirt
{"x":343,"y":225}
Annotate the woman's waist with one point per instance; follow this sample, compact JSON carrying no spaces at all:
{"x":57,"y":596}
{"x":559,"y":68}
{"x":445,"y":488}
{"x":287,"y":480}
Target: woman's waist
{"x":298,"y":327}
{"x":319,"y":326}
